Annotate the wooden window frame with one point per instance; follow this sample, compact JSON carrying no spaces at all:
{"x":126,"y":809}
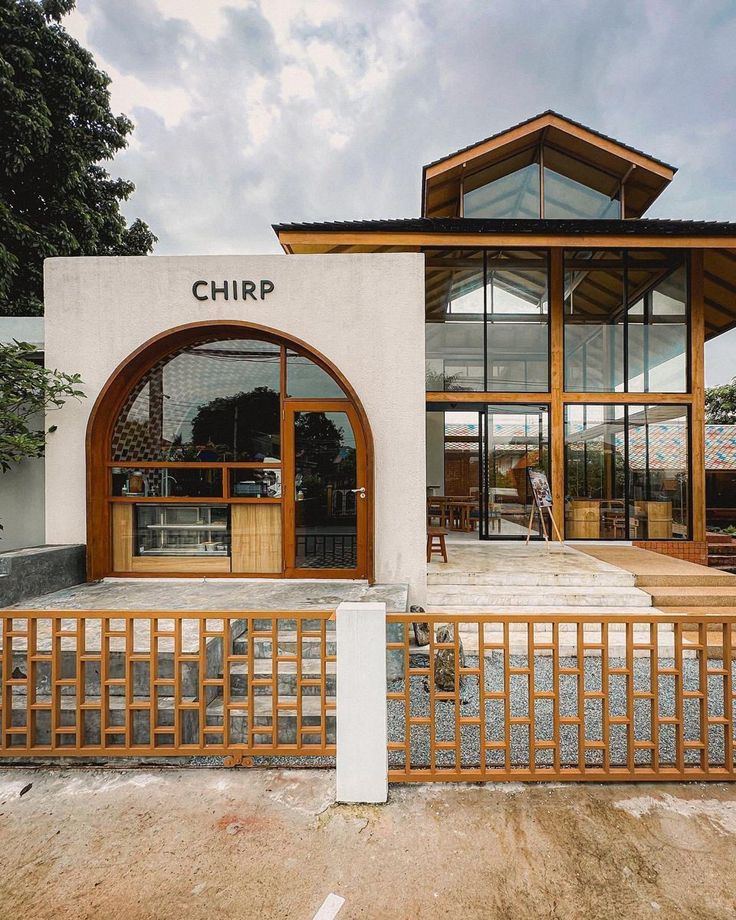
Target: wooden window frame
{"x":110,"y":403}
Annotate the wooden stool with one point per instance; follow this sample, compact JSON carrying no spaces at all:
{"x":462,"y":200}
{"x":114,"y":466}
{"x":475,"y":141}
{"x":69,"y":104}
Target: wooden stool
{"x":436,"y":542}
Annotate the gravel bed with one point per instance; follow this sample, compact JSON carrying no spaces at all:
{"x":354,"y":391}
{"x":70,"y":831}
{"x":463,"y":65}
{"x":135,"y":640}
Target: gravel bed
{"x":592,"y":668}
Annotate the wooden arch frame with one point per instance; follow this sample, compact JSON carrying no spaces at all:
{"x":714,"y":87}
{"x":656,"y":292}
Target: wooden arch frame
{"x":125,"y":377}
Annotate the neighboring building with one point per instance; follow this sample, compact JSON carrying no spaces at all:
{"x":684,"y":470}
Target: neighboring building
{"x":288,"y":416}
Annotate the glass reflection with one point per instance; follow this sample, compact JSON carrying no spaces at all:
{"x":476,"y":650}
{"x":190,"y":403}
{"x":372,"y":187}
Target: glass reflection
{"x":513,"y":195}
{"x":657,"y":319}
{"x":214,"y":401}
{"x":517,"y":322}
{"x":517,"y":441}
{"x":325,"y":491}
{"x":454,"y":328}
{"x":594,"y":322}
{"x":658,"y":472}
{"x":492,"y":336}
{"x":595,"y":505}
{"x":567,"y":198}
{"x":627,"y":472}
{"x":308,"y":380}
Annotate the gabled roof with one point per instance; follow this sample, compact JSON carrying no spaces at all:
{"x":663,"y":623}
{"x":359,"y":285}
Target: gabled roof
{"x":549,"y":114}
{"x":645,"y":176}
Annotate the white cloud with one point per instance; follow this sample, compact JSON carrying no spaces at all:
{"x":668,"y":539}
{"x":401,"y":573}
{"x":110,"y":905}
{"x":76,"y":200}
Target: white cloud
{"x":249,"y":112}
{"x":297,"y":83}
{"x":206,"y":16}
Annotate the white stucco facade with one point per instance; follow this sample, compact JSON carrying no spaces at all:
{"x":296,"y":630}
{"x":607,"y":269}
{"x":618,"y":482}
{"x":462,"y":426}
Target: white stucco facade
{"x":364,"y":312}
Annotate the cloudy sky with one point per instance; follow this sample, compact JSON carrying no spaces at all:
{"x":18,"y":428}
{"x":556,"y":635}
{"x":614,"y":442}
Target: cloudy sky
{"x":248,"y":113}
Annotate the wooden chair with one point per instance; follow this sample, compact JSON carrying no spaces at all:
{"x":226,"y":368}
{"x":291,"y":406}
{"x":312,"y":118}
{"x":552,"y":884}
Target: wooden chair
{"x":436,"y":542}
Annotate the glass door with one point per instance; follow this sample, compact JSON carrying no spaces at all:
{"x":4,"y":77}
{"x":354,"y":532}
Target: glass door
{"x":515,"y":439}
{"x":326,"y":498}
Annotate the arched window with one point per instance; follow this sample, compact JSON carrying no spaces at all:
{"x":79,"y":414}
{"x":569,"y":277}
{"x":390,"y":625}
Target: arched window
{"x":204,"y":460}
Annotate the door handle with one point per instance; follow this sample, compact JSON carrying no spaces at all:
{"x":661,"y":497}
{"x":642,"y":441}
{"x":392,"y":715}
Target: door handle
{"x":359,"y":492}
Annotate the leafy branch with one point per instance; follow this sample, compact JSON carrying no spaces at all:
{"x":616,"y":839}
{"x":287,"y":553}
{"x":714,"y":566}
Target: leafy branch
{"x":27,"y":391}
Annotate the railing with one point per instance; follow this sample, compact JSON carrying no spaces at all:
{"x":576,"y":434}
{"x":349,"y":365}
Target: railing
{"x":102,"y":683}
{"x":553,"y":697}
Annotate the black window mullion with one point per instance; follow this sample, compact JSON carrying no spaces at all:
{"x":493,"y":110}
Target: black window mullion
{"x":627,"y":473}
{"x":626,"y":324}
{"x":689,"y":322}
{"x":485,"y":320}
{"x":483,"y":421}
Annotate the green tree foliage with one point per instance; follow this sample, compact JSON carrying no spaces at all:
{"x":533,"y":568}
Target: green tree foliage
{"x":241,"y":425}
{"x":27,"y":391}
{"x":56,"y":126}
{"x":720,"y":404}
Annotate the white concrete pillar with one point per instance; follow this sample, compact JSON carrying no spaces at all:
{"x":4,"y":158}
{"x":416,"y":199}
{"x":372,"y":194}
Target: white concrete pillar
{"x":362,"y":755}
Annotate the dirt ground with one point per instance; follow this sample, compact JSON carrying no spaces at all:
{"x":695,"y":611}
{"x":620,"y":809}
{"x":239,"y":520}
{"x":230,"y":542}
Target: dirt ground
{"x":197,"y":843}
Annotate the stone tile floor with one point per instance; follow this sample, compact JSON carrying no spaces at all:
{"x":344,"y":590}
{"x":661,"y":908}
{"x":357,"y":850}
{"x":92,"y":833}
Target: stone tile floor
{"x":231,"y":594}
{"x":514,"y":556}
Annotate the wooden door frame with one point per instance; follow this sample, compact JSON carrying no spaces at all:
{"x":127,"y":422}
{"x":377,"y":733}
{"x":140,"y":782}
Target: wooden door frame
{"x":364,"y":507}
{"x":127,"y":375}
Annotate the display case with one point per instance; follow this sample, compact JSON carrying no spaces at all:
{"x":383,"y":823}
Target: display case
{"x":181,"y":530}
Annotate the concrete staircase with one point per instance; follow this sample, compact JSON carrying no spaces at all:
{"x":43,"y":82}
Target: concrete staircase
{"x":608,"y":590}
{"x":673,"y":585}
{"x":676,"y":586}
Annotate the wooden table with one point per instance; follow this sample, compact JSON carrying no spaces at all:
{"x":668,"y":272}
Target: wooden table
{"x":453,"y":513}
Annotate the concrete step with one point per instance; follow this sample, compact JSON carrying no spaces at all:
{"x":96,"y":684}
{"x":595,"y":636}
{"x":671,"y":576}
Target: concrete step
{"x":708,"y":578}
{"x":522,"y":611}
{"x":667,"y":597}
{"x":454,"y":595}
{"x":716,"y":611}
{"x":613,"y":579}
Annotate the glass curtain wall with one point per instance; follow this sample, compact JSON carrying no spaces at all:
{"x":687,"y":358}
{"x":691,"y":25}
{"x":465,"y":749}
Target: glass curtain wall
{"x":516,"y":440}
{"x":626,"y":472}
{"x":592,"y":194}
{"x":594,"y":322}
{"x":487,"y":321}
{"x":517,"y":322}
{"x":510,"y":189}
{"x":542,"y":182}
{"x":478,"y":460}
{"x":453,"y":471}
{"x":658,"y":481}
{"x":454,"y":329}
{"x":595,"y":494}
{"x":626,"y":322}
{"x":657,"y":320}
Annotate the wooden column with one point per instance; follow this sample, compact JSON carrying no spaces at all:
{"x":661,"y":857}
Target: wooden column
{"x":697,"y":370}
{"x":557,"y":384}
